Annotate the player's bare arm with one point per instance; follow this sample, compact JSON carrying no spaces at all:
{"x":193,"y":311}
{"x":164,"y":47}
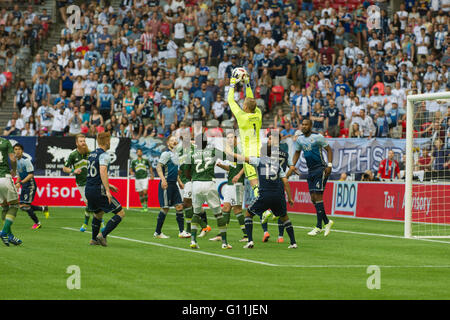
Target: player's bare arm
{"x":25,"y":180}
{"x":13,"y":161}
{"x":223,"y":166}
{"x":287,"y":189}
{"x":238,"y":176}
{"x":161,"y":176}
{"x":104,"y":177}
{"x":330,"y":160}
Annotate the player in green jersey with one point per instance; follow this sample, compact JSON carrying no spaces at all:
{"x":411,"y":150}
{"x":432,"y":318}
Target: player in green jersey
{"x":233,"y":191}
{"x":76,"y":164}
{"x":141,"y":168}
{"x":204,"y":157}
{"x":9,"y":198}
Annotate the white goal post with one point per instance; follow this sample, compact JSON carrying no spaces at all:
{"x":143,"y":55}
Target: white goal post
{"x":431,"y":227}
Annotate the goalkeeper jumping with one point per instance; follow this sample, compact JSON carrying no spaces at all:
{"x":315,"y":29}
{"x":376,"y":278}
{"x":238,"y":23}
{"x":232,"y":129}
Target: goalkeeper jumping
{"x":249,"y":119}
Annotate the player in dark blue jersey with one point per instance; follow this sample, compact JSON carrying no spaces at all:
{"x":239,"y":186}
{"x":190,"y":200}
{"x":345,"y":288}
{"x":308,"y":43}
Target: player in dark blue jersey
{"x":25,"y":170}
{"x":272,"y":187}
{"x":312,"y":145}
{"x":98,"y":191}
{"x":168,"y":191}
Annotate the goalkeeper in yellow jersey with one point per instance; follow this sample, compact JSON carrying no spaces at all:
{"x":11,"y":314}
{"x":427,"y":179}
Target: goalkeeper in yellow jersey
{"x":249,"y":119}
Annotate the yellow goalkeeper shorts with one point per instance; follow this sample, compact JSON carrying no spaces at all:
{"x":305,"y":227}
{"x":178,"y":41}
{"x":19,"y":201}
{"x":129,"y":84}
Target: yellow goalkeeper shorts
{"x":250,"y":171}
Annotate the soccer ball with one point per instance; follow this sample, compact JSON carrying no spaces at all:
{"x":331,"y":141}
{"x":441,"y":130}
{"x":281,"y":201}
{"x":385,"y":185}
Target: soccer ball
{"x":239,"y":73}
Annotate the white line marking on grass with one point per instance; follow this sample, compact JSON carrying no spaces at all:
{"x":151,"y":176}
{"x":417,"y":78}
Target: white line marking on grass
{"x":255,"y":261}
{"x":352,"y":232}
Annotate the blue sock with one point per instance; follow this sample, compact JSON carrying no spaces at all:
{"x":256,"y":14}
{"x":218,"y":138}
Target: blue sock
{"x":249,"y":228}
{"x":95,"y":227}
{"x":111,"y":225}
{"x":160,"y":222}
{"x":321,"y":216}
{"x":280,"y":228}
{"x":264,"y":227}
{"x":290,"y":230}
{"x":180,"y":220}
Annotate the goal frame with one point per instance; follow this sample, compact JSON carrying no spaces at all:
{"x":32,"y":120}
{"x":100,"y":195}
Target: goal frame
{"x":410,"y":99}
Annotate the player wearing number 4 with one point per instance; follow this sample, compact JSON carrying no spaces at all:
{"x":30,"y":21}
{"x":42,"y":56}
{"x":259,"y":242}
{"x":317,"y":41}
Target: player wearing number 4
{"x":140,"y":168}
{"x":318,"y":171}
{"x":168,"y":192}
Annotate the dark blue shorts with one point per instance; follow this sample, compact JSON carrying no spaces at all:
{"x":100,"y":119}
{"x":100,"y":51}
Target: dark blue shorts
{"x":27,"y":194}
{"x":273,"y":201}
{"x":169,"y":197}
{"x":316,"y":180}
{"x":97,"y":202}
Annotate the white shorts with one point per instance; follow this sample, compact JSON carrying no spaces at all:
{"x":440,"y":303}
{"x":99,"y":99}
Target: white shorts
{"x":205,"y":191}
{"x":141,"y":184}
{"x":187,"y":191}
{"x":233,"y":194}
{"x":83,"y":193}
{"x":8,"y":191}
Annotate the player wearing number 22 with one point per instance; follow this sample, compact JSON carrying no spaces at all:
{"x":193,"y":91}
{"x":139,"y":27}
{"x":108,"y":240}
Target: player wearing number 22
{"x":318,"y":171}
{"x":98,"y":191}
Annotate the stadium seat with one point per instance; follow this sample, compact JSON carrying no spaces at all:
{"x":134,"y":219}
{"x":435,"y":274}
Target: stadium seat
{"x":344,"y":133}
{"x":228,"y":124}
{"x":278,"y":93}
{"x":213,"y":123}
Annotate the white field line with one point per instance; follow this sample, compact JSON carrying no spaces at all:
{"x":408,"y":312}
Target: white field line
{"x":255,"y":261}
{"x":350,"y":232}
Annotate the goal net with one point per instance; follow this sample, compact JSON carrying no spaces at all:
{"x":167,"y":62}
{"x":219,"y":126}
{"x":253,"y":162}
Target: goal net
{"x":427,"y":174}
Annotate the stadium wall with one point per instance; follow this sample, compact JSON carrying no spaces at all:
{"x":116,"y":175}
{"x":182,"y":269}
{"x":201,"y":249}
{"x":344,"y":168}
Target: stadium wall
{"x":374,"y":200}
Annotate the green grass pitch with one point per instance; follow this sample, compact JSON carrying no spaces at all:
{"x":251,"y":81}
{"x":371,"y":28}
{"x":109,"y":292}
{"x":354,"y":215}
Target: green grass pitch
{"x":137,"y":266}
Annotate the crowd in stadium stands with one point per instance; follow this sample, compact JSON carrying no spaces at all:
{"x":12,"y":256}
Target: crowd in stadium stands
{"x":149,"y":67}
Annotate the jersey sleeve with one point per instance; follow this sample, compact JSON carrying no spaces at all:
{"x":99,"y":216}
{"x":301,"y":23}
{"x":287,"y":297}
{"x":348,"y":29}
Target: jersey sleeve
{"x":321,"y":141}
{"x":298,"y":145}
{"x":104,"y":159}
{"x":164,"y":158}
{"x":29,"y":166}
{"x":237,"y":111}
{"x":9,"y":147}
{"x":69,"y":162}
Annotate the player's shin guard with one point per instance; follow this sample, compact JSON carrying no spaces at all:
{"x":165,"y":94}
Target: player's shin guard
{"x":10,"y":216}
{"x":111,"y":225}
{"x":290,"y":230}
{"x":160,"y":221}
{"x":240,"y":219}
{"x":226,"y":215}
{"x":264,"y":227}
{"x":95,"y":227}
{"x":222,"y":224}
{"x":249,"y":227}
{"x":204,"y":218}
{"x":280,"y":228}
{"x":321,"y":216}
{"x":188,"y":213}
{"x":31,"y":214}
{"x":4,"y":211}
{"x":86,"y":216}
{"x":180,"y":220}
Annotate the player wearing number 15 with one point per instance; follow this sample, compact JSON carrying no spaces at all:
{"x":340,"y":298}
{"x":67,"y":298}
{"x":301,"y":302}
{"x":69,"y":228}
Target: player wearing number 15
{"x":140,"y":168}
{"x":98,"y":191}
{"x":249,"y":120}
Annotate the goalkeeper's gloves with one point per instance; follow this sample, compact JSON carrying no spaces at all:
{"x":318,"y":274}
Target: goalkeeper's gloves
{"x":233,"y":82}
{"x":246,"y":79}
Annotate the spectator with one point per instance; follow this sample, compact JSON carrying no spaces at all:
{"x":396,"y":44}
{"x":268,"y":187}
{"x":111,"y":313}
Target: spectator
{"x":218,"y":108}
{"x":318,"y":119}
{"x":389,"y":168}
{"x":168,"y":116}
{"x":205,"y":96}
{"x":333,"y":118}
{"x":287,"y":132}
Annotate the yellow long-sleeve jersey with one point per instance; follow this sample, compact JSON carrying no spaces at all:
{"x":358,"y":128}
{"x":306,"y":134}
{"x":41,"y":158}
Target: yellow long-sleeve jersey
{"x":249,"y":124}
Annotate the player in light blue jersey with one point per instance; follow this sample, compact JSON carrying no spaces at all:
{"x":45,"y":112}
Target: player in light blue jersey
{"x":25,"y":170}
{"x":312,"y":145}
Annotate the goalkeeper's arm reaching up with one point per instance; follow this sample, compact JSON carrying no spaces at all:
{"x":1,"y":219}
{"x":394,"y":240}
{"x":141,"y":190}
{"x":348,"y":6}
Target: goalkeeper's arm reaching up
{"x":249,"y":102}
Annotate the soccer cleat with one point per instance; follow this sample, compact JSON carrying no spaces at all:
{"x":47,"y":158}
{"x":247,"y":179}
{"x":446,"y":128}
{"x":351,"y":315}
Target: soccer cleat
{"x":4,"y":238}
{"x":328,"y":228}
{"x":244,"y":239}
{"x":14,"y":240}
{"x":94,"y":243}
{"x":249,"y":245}
{"x":280,"y":240}
{"x":216,"y":238}
{"x":226,"y":246}
{"x":266,"y":237}
{"x":144,"y":210}
{"x":194,"y":245}
{"x":46,"y":212}
{"x":204,"y":231}
{"x":83,"y":227}
{"x":315,"y":232}
{"x":293,"y":246}
{"x":184,"y":234}
{"x":101,"y":240}
{"x":160,"y":236}
{"x":36,"y":226}
{"x":265,"y":217}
